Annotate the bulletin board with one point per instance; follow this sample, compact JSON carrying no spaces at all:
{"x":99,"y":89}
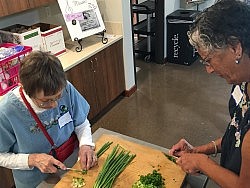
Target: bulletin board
{"x":82,"y":18}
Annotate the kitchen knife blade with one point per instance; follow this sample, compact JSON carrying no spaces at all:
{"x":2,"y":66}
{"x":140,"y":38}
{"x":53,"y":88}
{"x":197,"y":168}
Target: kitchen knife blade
{"x":77,"y":170}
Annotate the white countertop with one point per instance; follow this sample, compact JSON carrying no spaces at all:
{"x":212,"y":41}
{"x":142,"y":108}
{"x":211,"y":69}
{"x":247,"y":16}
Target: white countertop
{"x":91,"y":46}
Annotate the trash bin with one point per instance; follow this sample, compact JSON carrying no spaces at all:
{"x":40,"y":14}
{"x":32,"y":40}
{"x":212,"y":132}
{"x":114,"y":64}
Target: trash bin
{"x":179,"y":50}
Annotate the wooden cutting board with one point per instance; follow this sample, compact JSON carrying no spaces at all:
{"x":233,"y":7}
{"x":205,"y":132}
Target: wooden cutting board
{"x":146,"y":160}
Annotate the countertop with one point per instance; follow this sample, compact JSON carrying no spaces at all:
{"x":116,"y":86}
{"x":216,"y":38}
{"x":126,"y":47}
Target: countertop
{"x":91,"y":45}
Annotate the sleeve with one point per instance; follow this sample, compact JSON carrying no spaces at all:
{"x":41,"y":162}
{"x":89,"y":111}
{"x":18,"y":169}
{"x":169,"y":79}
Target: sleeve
{"x":84,"y":135}
{"x":14,"y":161}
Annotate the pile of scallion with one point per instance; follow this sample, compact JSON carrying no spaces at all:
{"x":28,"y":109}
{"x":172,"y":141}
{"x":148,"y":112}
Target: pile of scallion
{"x":151,"y":180}
{"x":115,"y":163}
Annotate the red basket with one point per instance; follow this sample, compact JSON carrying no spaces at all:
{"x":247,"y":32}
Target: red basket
{"x":9,"y":68}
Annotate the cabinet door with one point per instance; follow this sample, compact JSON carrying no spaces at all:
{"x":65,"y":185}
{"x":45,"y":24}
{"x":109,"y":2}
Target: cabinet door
{"x":37,"y":3}
{"x":115,"y":70}
{"x":3,"y":10}
{"x":12,"y":6}
{"x":81,"y":76}
{"x":109,"y":74}
{"x":100,"y":79}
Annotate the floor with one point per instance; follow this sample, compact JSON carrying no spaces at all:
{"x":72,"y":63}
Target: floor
{"x":172,"y":101}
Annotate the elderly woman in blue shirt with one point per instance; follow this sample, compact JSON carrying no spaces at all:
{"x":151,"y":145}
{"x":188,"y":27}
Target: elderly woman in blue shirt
{"x":62,"y":111}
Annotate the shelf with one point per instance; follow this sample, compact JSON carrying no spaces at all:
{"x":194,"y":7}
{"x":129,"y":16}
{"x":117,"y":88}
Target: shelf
{"x":141,"y":27}
{"x":142,"y":45}
{"x":146,"y":7}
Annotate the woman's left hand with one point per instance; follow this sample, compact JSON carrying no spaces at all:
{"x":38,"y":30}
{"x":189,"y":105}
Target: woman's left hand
{"x":87,"y":156}
{"x":189,"y":162}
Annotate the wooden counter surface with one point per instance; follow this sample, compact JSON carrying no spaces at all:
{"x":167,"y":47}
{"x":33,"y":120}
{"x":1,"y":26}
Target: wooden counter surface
{"x":147,"y":159}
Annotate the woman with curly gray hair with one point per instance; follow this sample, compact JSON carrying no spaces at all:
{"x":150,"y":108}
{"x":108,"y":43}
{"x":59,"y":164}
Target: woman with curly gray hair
{"x":221,"y":35}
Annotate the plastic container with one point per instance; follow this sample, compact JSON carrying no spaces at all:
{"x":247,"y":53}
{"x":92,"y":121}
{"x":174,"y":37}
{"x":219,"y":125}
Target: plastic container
{"x":9,"y":66}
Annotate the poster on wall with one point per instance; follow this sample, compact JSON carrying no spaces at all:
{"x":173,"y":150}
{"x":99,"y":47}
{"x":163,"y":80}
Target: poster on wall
{"x":82,"y":18}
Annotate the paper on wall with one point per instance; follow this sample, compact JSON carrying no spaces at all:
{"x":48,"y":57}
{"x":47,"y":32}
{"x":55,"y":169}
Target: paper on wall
{"x":82,"y":18}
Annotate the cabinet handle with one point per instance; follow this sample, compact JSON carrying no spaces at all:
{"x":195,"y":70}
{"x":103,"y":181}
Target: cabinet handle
{"x":95,"y":63}
{"x":92,"y":65}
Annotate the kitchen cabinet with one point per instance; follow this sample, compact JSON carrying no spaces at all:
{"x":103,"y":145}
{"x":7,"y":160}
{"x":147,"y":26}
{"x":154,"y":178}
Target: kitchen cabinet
{"x":100,"y":78}
{"x":38,"y":3}
{"x":12,"y":6}
{"x":8,"y":7}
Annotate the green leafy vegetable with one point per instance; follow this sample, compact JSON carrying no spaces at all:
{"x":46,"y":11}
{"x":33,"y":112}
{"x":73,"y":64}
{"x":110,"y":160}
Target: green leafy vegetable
{"x":78,"y":182}
{"x":151,"y":180}
{"x":84,"y":172}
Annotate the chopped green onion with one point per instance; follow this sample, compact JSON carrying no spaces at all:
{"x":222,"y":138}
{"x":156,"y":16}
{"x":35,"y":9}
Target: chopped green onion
{"x":151,"y":180}
{"x":171,"y":158}
{"x":78,"y":182}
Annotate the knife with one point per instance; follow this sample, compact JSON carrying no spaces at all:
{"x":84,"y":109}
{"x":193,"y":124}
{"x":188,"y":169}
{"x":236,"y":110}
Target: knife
{"x":72,"y":169}
{"x":77,"y":170}
{"x":171,"y":157}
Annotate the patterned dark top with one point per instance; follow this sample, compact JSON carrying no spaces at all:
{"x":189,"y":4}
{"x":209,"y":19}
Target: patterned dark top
{"x":237,"y":128}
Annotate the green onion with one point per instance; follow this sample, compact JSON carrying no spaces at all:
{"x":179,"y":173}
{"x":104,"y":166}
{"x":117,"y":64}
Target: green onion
{"x":114,"y":164}
{"x":103,"y":149}
{"x":151,"y":180}
{"x":171,"y":158}
{"x":78,"y":182}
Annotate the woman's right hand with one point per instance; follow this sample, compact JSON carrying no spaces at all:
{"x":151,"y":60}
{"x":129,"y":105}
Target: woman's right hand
{"x":45,"y":163}
{"x":181,"y":147}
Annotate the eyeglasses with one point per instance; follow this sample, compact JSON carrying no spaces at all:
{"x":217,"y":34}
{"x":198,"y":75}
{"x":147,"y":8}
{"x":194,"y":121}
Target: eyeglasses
{"x":48,"y":102}
{"x":206,"y":60}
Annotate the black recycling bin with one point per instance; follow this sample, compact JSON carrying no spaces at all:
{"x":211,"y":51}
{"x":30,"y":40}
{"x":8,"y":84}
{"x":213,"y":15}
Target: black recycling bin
{"x":179,"y":50}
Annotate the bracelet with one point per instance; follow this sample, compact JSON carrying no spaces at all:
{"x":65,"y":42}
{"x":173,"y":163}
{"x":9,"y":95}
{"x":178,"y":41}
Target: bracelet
{"x":215,"y":149}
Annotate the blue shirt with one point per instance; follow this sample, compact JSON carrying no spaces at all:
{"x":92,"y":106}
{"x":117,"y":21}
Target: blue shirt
{"x":19,"y":132}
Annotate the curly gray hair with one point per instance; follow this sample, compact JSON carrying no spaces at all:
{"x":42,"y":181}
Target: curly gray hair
{"x":226,"y":23}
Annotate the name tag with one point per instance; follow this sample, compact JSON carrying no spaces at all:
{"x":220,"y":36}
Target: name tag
{"x":64,"y":119}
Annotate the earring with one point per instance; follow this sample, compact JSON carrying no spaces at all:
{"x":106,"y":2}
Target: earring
{"x":237,"y":61}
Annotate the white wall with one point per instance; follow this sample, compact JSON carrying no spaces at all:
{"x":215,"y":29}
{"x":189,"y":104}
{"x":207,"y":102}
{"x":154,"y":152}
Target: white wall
{"x":25,"y":18}
{"x":128,"y":45}
{"x":111,"y":10}
{"x":118,"y":11}
{"x":170,"y":6}
{"x":192,"y":6}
